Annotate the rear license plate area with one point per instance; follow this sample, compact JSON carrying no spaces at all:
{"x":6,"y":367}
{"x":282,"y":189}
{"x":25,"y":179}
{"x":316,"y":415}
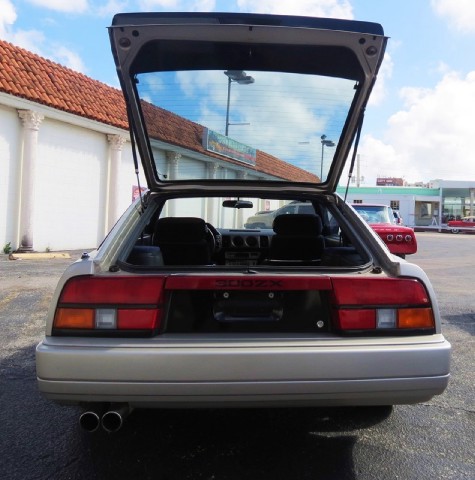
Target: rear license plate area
{"x":246,"y":306}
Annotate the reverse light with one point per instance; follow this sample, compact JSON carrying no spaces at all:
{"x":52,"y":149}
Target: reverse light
{"x":386,"y":318}
{"x":106,"y":318}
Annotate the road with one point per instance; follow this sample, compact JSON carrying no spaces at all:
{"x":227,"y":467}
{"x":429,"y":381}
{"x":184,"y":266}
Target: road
{"x":434,"y":440}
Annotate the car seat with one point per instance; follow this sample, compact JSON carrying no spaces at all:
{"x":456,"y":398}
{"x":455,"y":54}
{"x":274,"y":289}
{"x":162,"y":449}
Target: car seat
{"x":298,"y":239}
{"x":184,"y":241}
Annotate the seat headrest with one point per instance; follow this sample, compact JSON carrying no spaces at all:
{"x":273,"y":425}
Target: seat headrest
{"x":180,"y":229}
{"x":298,"y":224}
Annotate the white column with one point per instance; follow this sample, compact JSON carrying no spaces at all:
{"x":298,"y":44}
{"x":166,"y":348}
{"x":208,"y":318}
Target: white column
{"x":211,"y":202}
{"x":239,"y":219}
{"x":31,"y":123}
{"x":116,"y":143}
{"x":173,"y":159}
{"x":472,"y":200}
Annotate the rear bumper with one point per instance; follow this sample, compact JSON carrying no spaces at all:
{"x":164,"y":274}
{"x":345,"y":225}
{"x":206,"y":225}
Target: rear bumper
{"x":243,"y":373}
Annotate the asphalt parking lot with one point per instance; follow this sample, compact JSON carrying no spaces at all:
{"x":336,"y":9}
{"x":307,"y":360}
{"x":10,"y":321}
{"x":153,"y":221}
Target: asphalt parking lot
{"x":434,"y":440}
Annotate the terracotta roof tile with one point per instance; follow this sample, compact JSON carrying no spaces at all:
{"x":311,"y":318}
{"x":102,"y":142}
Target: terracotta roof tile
{"x":26,"y":75}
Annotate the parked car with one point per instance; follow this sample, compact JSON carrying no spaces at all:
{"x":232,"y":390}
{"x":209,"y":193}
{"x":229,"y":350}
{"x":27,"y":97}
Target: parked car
{"x":266,"y":219}
{"x":181,"y":307}
{"x":399,"y":239}
{"x":464,"y":224}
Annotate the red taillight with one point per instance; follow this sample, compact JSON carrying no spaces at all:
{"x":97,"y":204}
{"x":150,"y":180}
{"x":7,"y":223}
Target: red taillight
{"x":109,"y":305}
{"x":113,"y":290}
{"x":381,"y":304}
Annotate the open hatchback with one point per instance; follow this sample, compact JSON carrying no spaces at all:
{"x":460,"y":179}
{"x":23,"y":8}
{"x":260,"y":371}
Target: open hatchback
{"x":233,"y":117}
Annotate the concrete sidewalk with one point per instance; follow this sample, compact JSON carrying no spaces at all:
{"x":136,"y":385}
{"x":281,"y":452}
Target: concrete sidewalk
{"x":63,"y":255}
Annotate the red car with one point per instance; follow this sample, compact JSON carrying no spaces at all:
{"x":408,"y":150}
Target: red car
{"x":464,"y":224}
{"x":400,"y":240}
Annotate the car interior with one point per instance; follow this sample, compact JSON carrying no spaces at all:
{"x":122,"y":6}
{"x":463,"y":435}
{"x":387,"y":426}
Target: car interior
{"x":295,"y":239}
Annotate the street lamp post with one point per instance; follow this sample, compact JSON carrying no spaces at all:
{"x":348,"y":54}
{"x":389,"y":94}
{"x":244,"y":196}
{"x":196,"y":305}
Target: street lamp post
{"x":325,"y":143}
{"x":240,"y":77}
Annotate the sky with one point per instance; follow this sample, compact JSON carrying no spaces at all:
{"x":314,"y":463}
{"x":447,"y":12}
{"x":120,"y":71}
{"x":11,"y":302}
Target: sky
{"x":420,"y":121}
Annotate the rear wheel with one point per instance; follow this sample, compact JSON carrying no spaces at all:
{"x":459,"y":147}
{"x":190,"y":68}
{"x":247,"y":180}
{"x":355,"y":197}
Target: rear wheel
{"x":455,"y":230}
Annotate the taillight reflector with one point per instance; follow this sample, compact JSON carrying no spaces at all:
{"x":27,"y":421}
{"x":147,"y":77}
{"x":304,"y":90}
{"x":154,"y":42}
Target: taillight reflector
{"x":74,"y":318}
{"x":379,"y":291}
{"x":415,"y":318}
{"x":356,"y":319}
{"x":113,"y":290}
{"x":137,"y":319}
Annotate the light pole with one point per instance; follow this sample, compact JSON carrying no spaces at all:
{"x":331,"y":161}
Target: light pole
{"x":325,"y":143}
{"x":240,"y":77}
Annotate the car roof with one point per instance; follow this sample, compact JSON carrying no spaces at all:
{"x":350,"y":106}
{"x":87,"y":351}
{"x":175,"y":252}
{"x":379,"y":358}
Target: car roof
{"x":370,"y":205}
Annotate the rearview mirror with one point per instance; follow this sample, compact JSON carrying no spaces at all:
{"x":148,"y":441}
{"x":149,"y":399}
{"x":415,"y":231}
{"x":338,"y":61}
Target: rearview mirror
{"x":237,"y":204}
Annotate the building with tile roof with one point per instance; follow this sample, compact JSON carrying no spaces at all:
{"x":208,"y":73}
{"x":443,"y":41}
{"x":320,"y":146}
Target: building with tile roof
{"x":64,"y":153}
{"x":67,"y":168}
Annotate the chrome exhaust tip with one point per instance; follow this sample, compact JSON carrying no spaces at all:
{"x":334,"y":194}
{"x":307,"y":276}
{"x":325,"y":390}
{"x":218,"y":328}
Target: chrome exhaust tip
{"x":89,"y":421}
{"x":113,"y":420}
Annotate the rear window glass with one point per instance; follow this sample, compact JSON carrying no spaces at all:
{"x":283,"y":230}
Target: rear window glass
{"x":235,"y":124}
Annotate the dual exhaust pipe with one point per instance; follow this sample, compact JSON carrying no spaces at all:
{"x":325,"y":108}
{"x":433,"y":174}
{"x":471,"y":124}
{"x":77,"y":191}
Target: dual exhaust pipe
{"x":111,"y":419}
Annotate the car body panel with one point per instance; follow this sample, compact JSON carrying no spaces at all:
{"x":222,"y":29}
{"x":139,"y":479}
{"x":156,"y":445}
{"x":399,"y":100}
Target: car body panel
{"x":317,"y":371}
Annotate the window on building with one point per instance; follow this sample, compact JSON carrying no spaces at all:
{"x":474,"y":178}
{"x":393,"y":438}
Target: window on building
{"x":394,"y":204}
{"x":426,"y":209}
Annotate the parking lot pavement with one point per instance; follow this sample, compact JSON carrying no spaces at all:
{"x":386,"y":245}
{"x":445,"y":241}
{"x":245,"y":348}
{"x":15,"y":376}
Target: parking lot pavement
{"x":434,"y":440}
{"x":34,"y":269}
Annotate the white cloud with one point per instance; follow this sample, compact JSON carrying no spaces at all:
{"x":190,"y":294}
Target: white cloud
{"x":35,"y":40}
{"x":177,"y":5}
{"x":150,"y":5}
{"x":8,"y":17}
{"x":70,"y":59}
{"x":460,"y":13}
{"x":431,"y":138}
{"x":111,"y":7}
{"x":27,"y":39}
{"x":75,"y":6}
{"x":379,"y":91}
{"x":313,"y":8}
{"x":31,"y":40}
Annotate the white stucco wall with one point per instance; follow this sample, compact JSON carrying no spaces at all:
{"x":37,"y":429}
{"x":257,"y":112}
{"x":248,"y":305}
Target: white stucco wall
{"x":9,"y":174}
{"x":71,"y":187}
{"x":71,"y":178}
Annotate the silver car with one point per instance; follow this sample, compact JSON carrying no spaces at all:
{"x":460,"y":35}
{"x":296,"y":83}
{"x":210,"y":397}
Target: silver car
{"x":181,"y":306}
{"x":265,"y":219}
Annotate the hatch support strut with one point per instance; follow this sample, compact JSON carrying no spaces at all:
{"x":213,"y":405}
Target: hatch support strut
{"x":355,"y":150}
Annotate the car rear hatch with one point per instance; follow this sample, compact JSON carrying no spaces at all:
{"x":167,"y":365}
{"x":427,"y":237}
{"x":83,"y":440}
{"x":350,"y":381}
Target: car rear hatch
{"x":266,"y":98}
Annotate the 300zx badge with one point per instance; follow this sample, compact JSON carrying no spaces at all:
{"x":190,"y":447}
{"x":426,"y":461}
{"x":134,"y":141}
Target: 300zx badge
{"x":249,"y":283}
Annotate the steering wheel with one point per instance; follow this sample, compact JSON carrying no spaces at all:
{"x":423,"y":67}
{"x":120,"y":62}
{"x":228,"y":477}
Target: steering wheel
{"x":215,"y":238}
